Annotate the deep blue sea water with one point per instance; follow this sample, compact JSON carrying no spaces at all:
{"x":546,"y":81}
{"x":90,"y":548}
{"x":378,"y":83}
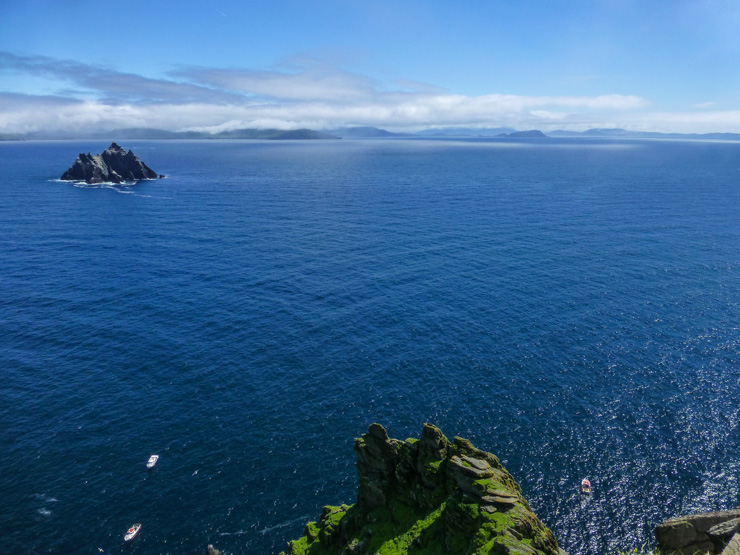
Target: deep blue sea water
{"x":570,"y":305}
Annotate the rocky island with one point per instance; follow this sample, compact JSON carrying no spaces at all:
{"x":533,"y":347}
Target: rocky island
{"x":428,"y":496}
{"x":114,"y":165}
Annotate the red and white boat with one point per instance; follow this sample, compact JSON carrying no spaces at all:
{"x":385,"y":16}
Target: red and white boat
{"x":152,"y":461}
{"x":585,"y":486}
{"x":131,"y":532}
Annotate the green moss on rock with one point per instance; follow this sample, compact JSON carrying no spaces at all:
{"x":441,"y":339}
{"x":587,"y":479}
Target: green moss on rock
{"x":429,"y":496}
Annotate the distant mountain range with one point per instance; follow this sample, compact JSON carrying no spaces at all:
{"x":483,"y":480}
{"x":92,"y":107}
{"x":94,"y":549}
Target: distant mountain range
{"x":358,"y":133}
{"x":625,"y":134}
{"x":503,"y":132}
{"x":534,"y":133}
{"x":149,"y":133}
{"x":465,"y":132}
{"x":364,"y":133}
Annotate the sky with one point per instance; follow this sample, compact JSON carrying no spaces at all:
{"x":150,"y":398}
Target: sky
{"x":401,"y":65}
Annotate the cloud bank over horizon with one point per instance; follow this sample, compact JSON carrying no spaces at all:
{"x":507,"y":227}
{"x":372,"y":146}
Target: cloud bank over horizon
{"x":85,"y":97}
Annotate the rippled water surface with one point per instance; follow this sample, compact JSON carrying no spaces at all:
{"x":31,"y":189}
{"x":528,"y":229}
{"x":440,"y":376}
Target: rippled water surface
{"x":570,"y":305}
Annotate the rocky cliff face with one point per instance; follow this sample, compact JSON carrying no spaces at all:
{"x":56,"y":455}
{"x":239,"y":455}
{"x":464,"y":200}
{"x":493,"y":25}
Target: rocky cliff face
{"x":713,"y":533}
{"x":114,"y":165}
{"x":428,"y":496}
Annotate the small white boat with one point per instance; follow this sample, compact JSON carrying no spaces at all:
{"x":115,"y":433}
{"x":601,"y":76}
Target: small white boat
{"x":585,"y":486}
{"x":131,"y":532}
{"x":152,"y":461}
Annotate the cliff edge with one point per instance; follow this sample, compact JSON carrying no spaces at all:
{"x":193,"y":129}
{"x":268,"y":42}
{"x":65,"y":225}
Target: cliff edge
{"x":428,"y":496}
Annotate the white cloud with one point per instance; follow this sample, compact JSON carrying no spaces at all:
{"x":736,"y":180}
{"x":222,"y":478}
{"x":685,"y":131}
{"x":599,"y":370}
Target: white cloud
{"x":311,"y":84}
{"x":719,"y":121}
{"x":317,"y":97}
{"x":548,"y":115}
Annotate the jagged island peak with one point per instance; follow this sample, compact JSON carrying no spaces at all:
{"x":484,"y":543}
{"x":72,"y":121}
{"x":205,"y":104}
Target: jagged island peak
{"x":113,"y":165}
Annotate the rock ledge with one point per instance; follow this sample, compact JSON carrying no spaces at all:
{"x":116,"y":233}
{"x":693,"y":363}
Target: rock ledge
{"x":716,"y":532}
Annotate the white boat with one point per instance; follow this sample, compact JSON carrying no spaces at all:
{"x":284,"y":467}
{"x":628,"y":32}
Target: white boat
{"x":152,"y":461}
{"x":585,"y":486}
{"x":131,"y":532}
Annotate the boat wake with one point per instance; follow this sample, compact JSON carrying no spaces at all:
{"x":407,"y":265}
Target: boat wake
{"x":283,"y":524}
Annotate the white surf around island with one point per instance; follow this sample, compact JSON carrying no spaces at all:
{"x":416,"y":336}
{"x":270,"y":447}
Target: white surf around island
{"x":125,"y":188}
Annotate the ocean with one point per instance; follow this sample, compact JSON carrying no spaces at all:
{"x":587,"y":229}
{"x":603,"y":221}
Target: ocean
{"x":571,"y":305}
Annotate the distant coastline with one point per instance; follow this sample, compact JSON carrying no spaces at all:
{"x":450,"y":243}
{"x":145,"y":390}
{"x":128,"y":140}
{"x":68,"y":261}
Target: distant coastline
{"x":145,"y":133}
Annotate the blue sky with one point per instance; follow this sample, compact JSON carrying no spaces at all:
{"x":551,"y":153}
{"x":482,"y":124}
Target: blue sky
{"x":660,"y":65}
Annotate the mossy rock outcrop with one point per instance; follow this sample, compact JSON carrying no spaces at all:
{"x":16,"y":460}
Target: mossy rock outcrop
{"x":429,"y":496}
